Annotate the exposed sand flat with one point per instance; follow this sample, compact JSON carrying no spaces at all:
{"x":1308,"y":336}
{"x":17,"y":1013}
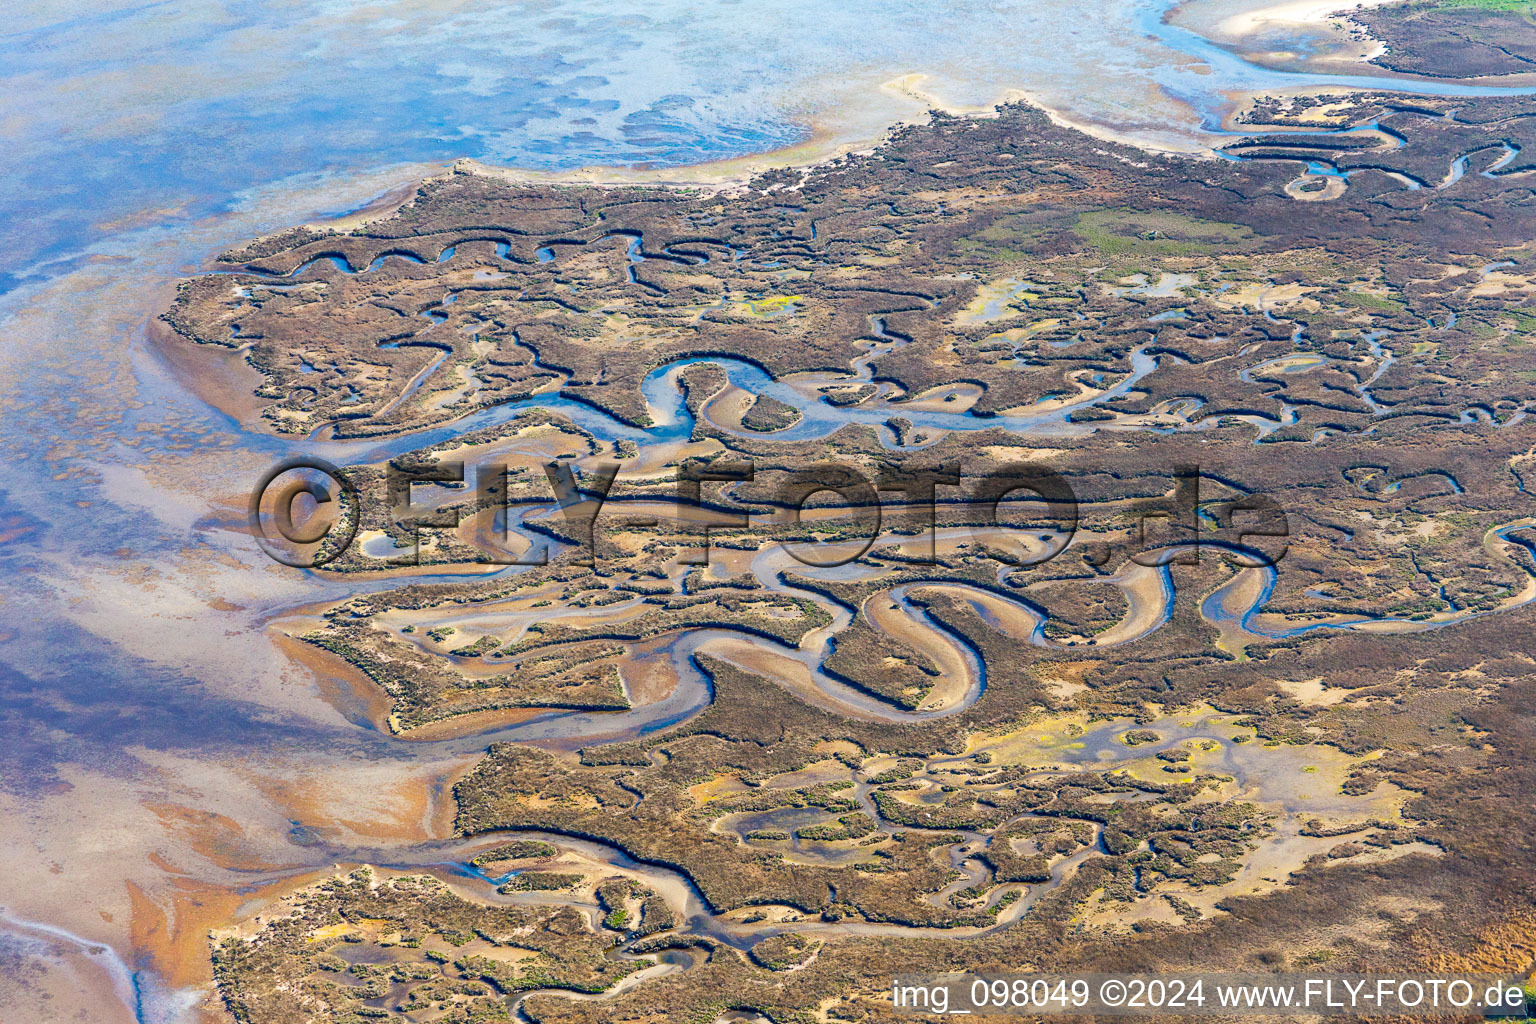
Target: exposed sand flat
{"x":1294,"y":783}
{"x":379,"y":209}
{"x":653,"y":459}
{"x":1085,"y":393}
{"x":341,"y":685}
{"x":726,"y":408}
{"x":1500,"y":283}
{"x":869,"y":109}
{"x":1291,"y":34}
{"x":534,"y":445}
{"x":509,"y":622}
{"x":1147,"y":601}
{"x":1301,"y":188}
{"x":185,"y":845}
{"x":1493,"y":542}
{"x":646,"y":672}
{"x":1313,"y":692}
{"x":892,"y":618}
{"x":67,"y":978}
{"x":467,"y":570}
{"x":1270,"y":866}
{"x":995,"y":300}
{"x":795,"y":676}
{"x":944,"y":398}
{"x":1013,"y":618}
{"x":716,"y":788}
{"x":1027,"y":546}
{"x":1292,"y":13}
{"x":523,"y":601}
{"x":478,"y":530}
{"x":1264,"y":296}
{"x":469,"y":724}
{"x":1047,"y":740}
{"x":852,"y":127}
{"x":222,"y":377}
{"x":1236,"y":596}
{"x":815,"y":774}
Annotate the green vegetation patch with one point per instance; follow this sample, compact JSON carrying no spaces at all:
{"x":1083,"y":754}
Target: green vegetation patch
{"x":411,"y":944}
{"x":768,"y":414}
{"x":784,"y":952}
{"x":1137,"y":233}
{"x":541,"y":881}
{"x":521,"y":849}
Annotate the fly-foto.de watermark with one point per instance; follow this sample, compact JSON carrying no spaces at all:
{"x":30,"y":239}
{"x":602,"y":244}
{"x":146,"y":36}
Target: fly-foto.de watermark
{"x":305,"y":512}
{"x":1213,"y":994}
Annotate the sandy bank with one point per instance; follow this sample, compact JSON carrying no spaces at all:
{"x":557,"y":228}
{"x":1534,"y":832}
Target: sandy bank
{"x":1312,"y":36}
{"x":1291,"y":14}
{"x":858,"y":128}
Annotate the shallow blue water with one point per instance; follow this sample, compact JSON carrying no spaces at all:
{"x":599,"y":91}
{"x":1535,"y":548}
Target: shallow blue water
{"x":136,"y":111}
{"x":133,"y":113}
